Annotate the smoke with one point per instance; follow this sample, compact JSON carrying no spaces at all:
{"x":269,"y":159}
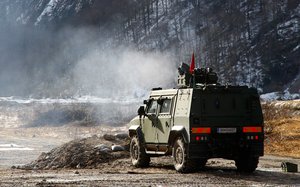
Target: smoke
{"x":80,"y":62}
{"x":55,"y":59}
{"x":95,"y":65}
{"x":121,"y":72}
{"x":72,"y":61}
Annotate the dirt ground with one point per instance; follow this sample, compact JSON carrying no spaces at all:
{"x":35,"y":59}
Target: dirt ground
{"x":218,"y":172}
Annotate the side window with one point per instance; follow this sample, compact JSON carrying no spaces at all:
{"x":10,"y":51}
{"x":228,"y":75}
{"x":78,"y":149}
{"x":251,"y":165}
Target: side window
{"x":152,"y":107}
{"x":166,"y":106}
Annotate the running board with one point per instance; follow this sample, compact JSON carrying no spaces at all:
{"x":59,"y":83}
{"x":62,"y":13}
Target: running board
{"x":156,"y":149}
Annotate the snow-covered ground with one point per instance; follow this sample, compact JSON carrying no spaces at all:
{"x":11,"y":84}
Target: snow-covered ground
{"x":74,"y":100}
{"x":14,"y":147}
{"x":273,"y":96}
{"x":84,"y":110}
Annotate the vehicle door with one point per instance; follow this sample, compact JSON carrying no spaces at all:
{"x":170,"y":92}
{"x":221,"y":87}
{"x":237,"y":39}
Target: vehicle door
{"x":149,"y":122}
{"x":164,"y":116}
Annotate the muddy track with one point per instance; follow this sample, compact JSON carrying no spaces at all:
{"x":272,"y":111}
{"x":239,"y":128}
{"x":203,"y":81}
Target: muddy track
{"x":218,"y":172}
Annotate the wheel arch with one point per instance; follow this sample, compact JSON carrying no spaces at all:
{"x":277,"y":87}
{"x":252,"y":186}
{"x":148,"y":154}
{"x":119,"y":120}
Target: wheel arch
{"x":177,"y":131}
{"x":136,"y":130}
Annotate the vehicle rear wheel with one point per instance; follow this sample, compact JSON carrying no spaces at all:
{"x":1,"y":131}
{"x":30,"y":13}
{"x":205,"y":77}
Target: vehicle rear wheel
{"x":139,"y":158}
{"x":200,"y":163}
{"x":181,"y":161}
{"x":246,"y":164}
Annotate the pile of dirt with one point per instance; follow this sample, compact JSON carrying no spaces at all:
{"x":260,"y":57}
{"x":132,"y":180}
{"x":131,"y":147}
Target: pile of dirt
{"x":282,"y":128}
{"x":84,"y":153}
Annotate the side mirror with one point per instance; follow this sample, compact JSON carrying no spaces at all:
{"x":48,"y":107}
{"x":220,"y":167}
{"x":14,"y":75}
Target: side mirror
{"x":148,"y":101}
{"x":141,"y":111}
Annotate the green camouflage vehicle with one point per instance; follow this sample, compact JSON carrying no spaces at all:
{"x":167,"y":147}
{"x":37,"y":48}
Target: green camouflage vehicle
{"x":198,"y":121}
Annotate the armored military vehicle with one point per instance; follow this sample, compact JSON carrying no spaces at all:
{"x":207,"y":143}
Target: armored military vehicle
{"x":199,"y":120}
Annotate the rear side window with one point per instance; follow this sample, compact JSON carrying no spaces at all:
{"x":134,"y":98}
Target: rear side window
{"x":166,"y":106}
{"x":152,"y":107}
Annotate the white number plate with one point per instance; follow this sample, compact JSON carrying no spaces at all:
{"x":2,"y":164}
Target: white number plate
{"x":226,"y":130}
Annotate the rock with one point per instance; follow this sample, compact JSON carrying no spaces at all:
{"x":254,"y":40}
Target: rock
{"x":77,"y":172}
{"x":117,"y":148}
{"x":109,"y":137}
{"x":106,"y":150}
{"x":121,"y":136}
{"x":101,"y":147}
{"x":95,"y":136}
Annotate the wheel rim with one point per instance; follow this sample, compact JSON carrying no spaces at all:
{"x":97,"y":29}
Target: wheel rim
{"x":179,"y":155}
{"x":135,"y":151}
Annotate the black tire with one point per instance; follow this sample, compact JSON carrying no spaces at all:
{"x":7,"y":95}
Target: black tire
{"x":139,"y":158}
{"x":181,"y":161}
{"x":200,"y":163}
{"x":246,"y":164}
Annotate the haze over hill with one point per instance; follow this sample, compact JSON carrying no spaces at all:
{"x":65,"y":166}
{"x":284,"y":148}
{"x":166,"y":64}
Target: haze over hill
{"x":110,"y":48}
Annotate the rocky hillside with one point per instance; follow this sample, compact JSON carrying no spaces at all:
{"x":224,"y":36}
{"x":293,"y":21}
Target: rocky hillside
{"x":247,"y":42}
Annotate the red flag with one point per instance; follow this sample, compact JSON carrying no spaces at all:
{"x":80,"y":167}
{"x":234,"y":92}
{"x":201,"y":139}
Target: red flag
{"x":192,"y":66}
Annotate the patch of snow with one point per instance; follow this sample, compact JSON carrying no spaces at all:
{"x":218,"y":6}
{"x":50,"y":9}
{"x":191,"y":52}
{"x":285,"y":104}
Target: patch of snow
{"x":13,"y":147}
{"x":288,"y":96}
{"x":270,"y":96}
{"x":269,"y":169}
{"x":117,"y":148}
{"x":78,"y":6}
{"x":80,"y":99}
{"x":47,"y":11}
{"x":288,"y":28}
{"x":296,"y":48}
{"x":22,"y":19}
{"x":279,"y":96}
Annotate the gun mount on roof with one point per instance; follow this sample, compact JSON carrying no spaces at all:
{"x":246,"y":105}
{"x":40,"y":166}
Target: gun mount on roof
{"x":200,"y":77}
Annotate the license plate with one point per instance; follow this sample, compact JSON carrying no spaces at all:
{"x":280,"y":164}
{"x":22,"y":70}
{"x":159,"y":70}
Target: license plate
{"x":226,"y":130}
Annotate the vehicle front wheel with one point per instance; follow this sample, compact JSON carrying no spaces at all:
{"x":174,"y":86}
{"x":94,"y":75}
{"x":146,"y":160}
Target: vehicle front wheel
{"x":181,"y":161}
{"x":139,"y":158}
